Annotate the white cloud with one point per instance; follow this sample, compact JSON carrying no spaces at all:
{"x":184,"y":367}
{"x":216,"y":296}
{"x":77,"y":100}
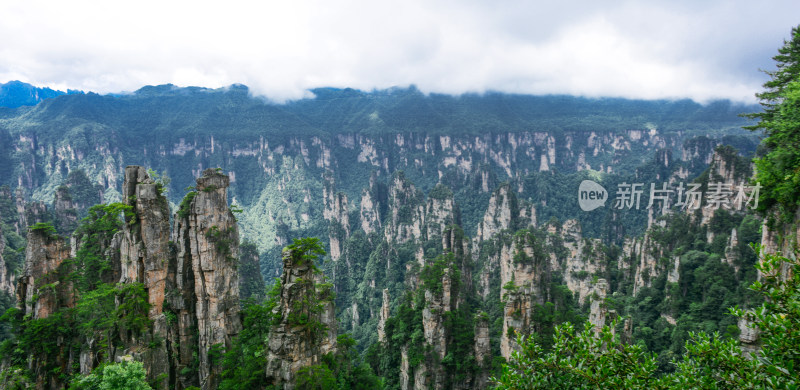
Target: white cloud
{"x":282,"y":49}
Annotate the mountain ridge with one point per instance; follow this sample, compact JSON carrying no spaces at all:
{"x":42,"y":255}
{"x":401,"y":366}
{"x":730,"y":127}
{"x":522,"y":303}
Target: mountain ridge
{"x":16,"y":93}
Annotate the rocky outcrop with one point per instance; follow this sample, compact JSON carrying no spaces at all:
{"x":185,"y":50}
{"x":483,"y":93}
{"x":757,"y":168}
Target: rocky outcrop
{"x":582,"y":262}
{"x":406,"y":209}
{"x":145,"y":257}
{"x":499,"y":214}
{"x":30,"y":213}
{"x":384,"y":315}
{"x":483,"y":351}
{"x":64,"y":210}
{"x":645,"y":252}
{"x":527,"y":263}
{"x":306,"y":329}
{"x":368,"y":211}
{"x":21,"y":225}
{"x":779,"y":240}
{"x":207,"y":239}
{"x":727,"y":171}
{"x":437,"y":303}
{"x":505,"y":212}
{"x":41,"y":292}
{"x":44,"y":256}
{"x":336,"y":213}
{"x":7,"y":276}
{"x":191,"y":283}
{"x":597,"y":310}
{"x":373,"y":200}
{"x":440,"y":212}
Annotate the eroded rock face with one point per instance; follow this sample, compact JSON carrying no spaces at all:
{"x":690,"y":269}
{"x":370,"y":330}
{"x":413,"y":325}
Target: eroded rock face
{"x":307,"y":327}
{"x":66,"y":214}
{"x":40,"y":294}
{"x":369,"y":213}
{"x":336,"y":213}
{"x":43,"y":256}
{"x":778,"y":240}
{"x":505,"y":212}
{"x":145,"y":257}
{"x":191,"y":282}
{"x":482,"y":340}
{"x":384,"y":315}
{"x":440,"y":212}
{"x":598,"y":311}
{"x":144,"y":249}
{"x":6,"y":276}
{"x":499,"y":214}
{"x":407,"y":211}
{"x":207,"y":240}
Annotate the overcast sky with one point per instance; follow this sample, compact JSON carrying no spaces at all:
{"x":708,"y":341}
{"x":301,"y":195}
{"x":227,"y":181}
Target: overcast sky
{"x":655,"y":49}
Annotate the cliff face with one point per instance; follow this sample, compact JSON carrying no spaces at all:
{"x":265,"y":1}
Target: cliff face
{"x":7,"y":277}
{"x":307,"y":327}
{"x":271,"y":175}
{"x":207,"y":240}
{"x":45,"y":254}
{"x":41,"y":292}
{"x":190,"y":284}
{"x":336,"y":213}
{"x":406,"y":211}
{"x":145,"y":257}
{"x":66,"y":215}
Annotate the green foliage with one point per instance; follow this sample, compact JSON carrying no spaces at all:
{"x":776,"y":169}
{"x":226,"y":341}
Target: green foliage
{"x":251,"y":282}
{"x":15,"y":378}
{"x":45,"y":229}
{"x":186,"y":204}
{"x":787,"y":62}
{"x":306,"y":250}
{"x":223,"y":239}
{"x":91,"y":266}
{"x":777,"y":171}
{"x":317,"y":377}
{"x":244,"y":364}
{"x":83,"y":192}
{"x":102,"y":311}
{"x":778,"y":318}
{"x":440,"y":192}
{"x":432,"y":274}
{"x":559,"y":308}
{"x":128,"y":375}
{"x":715,"y":362}
{"x":584,"y":360}
{"x":162,"y":181}
{"x":589,"y":360}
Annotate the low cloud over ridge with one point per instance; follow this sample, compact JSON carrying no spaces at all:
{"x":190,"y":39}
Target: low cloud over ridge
{"x":281,"y":50}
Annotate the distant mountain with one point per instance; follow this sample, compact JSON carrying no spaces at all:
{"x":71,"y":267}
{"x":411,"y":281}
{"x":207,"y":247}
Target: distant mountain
{"x":16,"y":93}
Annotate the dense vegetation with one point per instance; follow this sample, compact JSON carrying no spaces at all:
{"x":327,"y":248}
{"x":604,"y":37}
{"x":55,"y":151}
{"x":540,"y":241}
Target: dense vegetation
{"x":598,"y":359}
{"x":103,"y":311}
{"x":245,"y":362}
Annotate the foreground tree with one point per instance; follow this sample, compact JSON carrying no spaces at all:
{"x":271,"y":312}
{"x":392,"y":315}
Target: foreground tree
{"x":777,"y":170}
{"x":579,"y":360}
